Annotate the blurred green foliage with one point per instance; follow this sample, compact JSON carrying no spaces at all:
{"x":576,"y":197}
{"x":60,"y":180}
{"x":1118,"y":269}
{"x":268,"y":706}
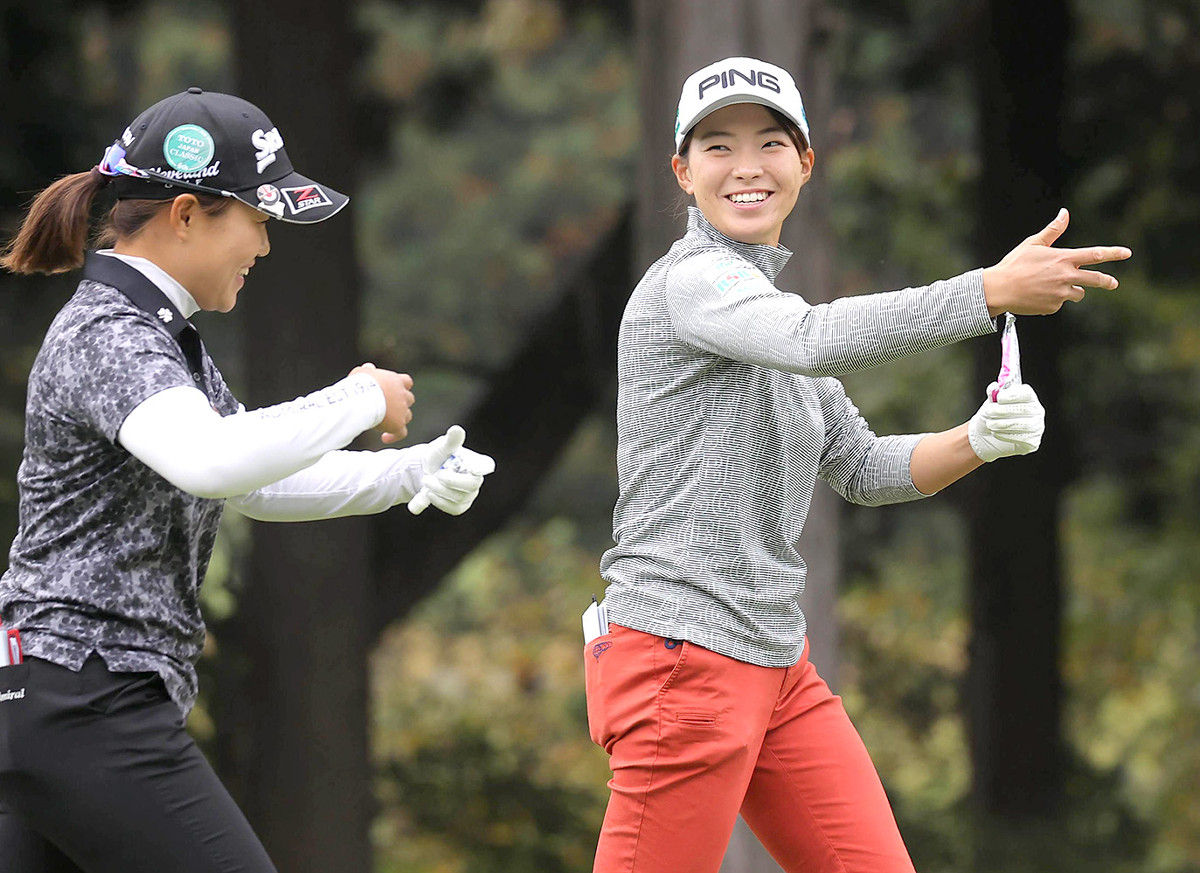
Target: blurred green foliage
{"x":507,"y":149}
{"x":501,"y":137}
{"x":485,"y":763}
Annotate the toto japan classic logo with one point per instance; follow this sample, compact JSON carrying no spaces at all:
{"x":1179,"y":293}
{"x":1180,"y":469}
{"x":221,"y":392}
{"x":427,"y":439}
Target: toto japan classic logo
{"x":188,"y":148}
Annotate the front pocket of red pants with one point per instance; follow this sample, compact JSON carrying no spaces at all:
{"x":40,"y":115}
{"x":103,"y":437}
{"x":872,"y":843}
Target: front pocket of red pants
{"x":592,"y":679}
{"x":624,"y":672}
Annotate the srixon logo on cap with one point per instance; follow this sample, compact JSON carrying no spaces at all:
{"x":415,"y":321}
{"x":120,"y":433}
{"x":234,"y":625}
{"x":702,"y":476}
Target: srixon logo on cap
{"x":752,"y":77}
{"x":267,"y":142}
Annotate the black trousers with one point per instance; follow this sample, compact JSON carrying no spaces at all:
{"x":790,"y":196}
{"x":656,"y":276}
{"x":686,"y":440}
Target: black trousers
{"x":98,"y":775}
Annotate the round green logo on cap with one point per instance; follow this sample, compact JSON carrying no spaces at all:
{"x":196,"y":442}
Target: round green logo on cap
{"x":188,"y":148}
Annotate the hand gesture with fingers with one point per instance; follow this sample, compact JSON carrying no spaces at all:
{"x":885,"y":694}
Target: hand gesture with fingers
{"x":397,"y":392}
{"x":1037,"y":279}
{"x":453,"y":474}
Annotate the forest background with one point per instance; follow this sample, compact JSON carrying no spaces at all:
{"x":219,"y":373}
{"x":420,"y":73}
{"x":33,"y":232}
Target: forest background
{"x":493,"y":149}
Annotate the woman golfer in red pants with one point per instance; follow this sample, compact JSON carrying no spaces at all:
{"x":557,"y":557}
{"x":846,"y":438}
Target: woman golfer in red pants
{"x":728,"y":411}
{"x":133,"y":445}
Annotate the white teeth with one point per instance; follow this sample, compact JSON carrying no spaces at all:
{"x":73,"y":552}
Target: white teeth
{"x":753,"y":197}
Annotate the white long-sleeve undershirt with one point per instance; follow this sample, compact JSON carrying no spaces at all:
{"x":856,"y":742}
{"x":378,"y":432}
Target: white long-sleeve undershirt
{"x":339,"y":484}
{"x":280,"y":462}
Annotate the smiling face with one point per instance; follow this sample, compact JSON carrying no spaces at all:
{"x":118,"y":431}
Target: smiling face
{"x":220,"y":252}
{"x":208,"y":247}
{"x":744,"y":171}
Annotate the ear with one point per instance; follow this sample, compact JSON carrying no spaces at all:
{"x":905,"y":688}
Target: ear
{"x":182,"y":214}
{"x":683,"y":173}
{"x":808,"y":160}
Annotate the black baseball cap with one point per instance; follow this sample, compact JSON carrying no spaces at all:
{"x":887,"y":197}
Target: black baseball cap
{"x":219,"y":144}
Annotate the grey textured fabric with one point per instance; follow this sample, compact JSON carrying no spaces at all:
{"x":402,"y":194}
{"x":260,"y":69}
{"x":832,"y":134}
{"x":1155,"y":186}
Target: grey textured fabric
{"x":727,"y":413}
{"x":108,"y":555}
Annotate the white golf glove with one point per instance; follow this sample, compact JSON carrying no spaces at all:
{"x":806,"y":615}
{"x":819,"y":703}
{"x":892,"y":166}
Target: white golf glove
{"x":1012,"y":424}
{"x":453,"y":474}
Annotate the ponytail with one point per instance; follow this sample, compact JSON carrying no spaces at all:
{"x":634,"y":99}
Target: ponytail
{"x":54,"y":232}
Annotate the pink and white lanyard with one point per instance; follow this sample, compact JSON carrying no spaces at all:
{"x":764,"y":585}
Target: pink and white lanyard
{"x":1010,"y":356}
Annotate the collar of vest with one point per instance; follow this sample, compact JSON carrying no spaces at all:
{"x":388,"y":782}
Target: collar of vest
{"x":131,"y":282}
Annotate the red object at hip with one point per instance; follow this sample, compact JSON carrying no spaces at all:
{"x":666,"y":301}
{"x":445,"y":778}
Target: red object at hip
{"x":10,"y":647}
{"x":695,"y":737}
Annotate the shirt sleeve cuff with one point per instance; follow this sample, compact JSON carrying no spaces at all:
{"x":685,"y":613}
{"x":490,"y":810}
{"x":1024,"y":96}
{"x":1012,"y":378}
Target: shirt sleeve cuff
{"x":972,"y":284}
{"x":373,"y":402}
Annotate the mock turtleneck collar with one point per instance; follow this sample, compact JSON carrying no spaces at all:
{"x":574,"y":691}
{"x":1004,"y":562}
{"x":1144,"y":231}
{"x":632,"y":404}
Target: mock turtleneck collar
{"x":770,"y":259}
{"x":176,"y":293}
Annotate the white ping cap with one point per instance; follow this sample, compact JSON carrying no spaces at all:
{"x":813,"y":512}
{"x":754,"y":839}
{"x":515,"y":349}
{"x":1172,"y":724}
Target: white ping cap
{"x":738,"y":80}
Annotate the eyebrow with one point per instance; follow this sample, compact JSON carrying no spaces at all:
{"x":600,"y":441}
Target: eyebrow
{"x":774,"y":128}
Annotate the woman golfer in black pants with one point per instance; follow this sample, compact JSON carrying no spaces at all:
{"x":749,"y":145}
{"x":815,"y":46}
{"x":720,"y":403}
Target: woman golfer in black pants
{"x":133,"y":444}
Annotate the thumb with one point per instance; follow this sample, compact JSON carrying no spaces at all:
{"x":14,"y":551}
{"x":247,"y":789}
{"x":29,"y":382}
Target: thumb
{"x":1052,"y":231}
{"x":443,"y":447}
{"x":1021,"y":393}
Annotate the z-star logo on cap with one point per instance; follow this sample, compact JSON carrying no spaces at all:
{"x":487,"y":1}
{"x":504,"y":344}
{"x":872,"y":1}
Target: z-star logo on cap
{"x":267,"y":142}
{"x":305,"y":197}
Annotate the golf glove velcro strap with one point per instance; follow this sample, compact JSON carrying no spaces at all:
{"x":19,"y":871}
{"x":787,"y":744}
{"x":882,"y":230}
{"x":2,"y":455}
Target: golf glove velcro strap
{"x":1012,"y":424}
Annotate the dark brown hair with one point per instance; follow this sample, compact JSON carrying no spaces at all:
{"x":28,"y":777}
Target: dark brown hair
{"x":789,"y":127}
{"x":53,"y":235}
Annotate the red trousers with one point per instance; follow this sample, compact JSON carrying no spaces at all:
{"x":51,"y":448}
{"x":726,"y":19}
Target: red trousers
{"x":695,"y":737}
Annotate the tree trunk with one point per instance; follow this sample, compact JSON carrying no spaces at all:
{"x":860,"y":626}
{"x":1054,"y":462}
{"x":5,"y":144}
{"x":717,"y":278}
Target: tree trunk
{"x":561,"y":370}
{"x":306,"y":607}
{"x":674,"y":39}
{"x":46,"y":133}
{"x":1013,"y":693}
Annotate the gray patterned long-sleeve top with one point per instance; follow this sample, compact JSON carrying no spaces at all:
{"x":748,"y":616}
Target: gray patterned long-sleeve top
{"x":727,"y":413}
